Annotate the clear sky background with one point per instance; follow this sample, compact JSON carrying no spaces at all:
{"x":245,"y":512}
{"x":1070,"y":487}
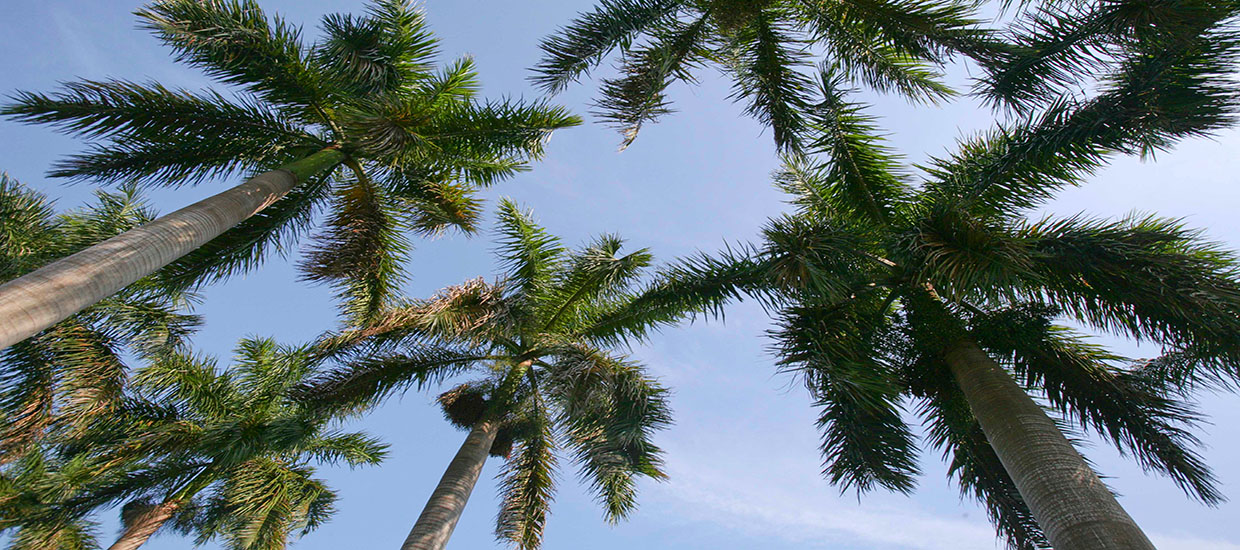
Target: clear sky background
{"x":743,"y":454}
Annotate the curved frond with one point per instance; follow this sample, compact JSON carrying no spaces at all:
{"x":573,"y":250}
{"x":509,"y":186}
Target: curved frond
{"x":582,"y":44}
{"x":234,"y":41}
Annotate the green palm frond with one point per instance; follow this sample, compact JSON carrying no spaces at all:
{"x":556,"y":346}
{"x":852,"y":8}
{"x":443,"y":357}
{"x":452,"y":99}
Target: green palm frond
{"x":1143,"y":277}
{"x":862,"y":180}
{"x":385,"y":51}
{"x":235,"y":42}
{"x":352,"y":448}
{"x":531,"y":255}
{"x":767,"y":62}
{"x":362,"y":383}
{"x":609,"y":410}
{"x":149,"y":113}
{"x":638,"y":97}
{"x":591,"y":277}
{"x":839,"y":351}
{"x":1059,"y":46}
{"x":584,"y":43}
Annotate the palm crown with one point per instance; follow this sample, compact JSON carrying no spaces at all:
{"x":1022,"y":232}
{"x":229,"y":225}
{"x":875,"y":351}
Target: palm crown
{"x":219,"y":453}
{"x":765,"y":46}
{"x":538,"y":336}
{"x":405,"y":143}
{"x":876,"y":280}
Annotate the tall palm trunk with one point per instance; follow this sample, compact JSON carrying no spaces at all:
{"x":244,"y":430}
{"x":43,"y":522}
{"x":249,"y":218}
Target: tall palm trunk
{"x":52,"y":293}
{"x":1074,"y":508}
{"x":145,"y":525}
{"x":443,"y":510}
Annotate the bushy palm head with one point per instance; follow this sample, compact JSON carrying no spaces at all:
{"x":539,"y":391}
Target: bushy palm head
{"x":417,"y":140}
{"x":228,"y":446}
{"x":876,"y":274}
{"x":68,"y":374}
{"x":765,"y":47}
{"x":539,"y":338}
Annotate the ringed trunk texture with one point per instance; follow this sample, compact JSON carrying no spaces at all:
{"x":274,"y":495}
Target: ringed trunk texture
{"x":145,"y":525}
{"x":1073,"y":507}
{"x":44,"y":297}
{"x":443,"y":510}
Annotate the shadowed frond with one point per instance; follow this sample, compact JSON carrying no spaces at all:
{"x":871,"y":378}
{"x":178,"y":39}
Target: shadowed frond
{"x":527,"y":487}
{"x":839,"y":351}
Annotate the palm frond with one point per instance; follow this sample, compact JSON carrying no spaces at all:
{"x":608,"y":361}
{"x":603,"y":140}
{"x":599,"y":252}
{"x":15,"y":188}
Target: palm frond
{"x":863,"y":179}
{"x":527,"y":486}
{"x":531,"y":255}
{"x":582,"y":44}
{"x":362,"y":251}
{"x":362,"y":383}
{"x":591,"y":277}
{"x":638,"y":97}
{"x":609,"y":411}
{"x":388,"y":50}
{"x":235,"y":42}
{"x":766,"y":60}
{"x":839,"y":350}
{"x":1148,"y":278}
{"x":1155,"y":102}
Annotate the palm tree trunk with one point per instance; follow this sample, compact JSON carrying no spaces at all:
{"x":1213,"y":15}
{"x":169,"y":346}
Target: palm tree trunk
{"x":145,"y":525}
{"x":44,"y":297}
{"x":1074,"y":508}
{"x":443,"y":510}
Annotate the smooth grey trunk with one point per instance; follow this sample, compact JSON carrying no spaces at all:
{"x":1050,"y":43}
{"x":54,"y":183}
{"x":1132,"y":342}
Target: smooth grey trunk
{"x":42,"y":298}
{"x":145,"y":525}
{"x":1070,"y":503}
{"x":443,"y":510}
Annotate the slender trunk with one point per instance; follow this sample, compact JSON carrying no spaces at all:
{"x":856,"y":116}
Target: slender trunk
{"x":1074,"y":508}
{"x":145,"y":525}
{"x":52,"y":293}
{"x":443,"y":510}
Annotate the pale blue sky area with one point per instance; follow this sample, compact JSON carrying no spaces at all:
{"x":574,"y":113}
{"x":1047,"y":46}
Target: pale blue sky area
{"x":743,"y":455}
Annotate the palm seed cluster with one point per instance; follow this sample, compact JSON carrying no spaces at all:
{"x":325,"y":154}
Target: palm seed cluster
{"x":898,"y":293}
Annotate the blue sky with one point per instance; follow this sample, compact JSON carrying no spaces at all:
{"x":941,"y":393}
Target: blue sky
{"x":743,"y":455}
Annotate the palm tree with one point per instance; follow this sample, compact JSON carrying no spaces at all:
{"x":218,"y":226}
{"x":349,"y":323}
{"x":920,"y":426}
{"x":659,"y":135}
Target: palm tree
{"x":69,"y":374}
{"x":944,"y":295}
{"x":359,"y":121}
{"x":539,"y":337}
{"x":765,"y":47}
{"x":220,"y":453}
